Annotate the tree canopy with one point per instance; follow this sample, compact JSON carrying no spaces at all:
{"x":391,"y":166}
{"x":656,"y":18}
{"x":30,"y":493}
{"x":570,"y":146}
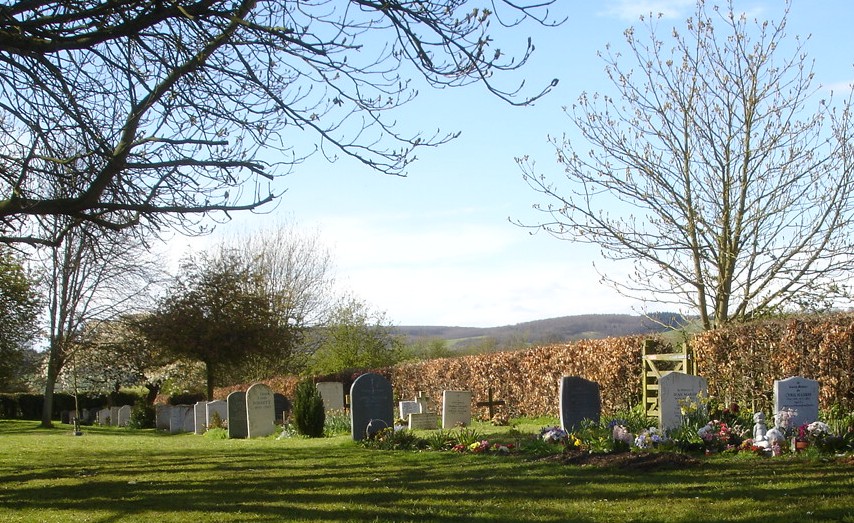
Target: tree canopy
{"x":716,"y":170}
{"x":157,"y":113}
{"x":216,"y":312}
{"x":19,"y":310}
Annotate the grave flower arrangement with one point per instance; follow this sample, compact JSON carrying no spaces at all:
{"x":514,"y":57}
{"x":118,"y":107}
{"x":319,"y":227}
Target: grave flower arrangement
{"x":648,"y":438}
{"x":783,"y":421}
{"x":623,"y":439}
{"x":554,"y":435}
{"x":715,"y":435}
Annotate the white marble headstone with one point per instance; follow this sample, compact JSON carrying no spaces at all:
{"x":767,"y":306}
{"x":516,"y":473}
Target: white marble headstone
{"x":124,"y":416}
{"x":456,"y":408}
{"x":260,"y":411}
{"x":674,"y":388}
{"x":799,"y":395}
{"x":408,"y":407}
{"x":219,"y":407}
{"x":332,"y":393}
{"x":199,"y":411}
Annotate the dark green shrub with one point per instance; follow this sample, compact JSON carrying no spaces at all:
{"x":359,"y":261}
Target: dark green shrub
{"x":142,"y":416}
{"x":309,"y":415}
{"x":61,"y":401}
{"x":186,"y":399}
{"x":31,"y":406}
{"x":9,"y":406}
{"x":125,"y":398}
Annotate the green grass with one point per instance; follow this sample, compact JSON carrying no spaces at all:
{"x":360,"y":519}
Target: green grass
{"x":117,"y":475}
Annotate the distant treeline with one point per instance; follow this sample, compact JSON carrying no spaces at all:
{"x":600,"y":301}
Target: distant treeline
{"x":552,"y":330}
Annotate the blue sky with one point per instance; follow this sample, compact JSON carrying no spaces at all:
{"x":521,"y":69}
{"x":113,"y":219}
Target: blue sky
{"x":436,"y":247}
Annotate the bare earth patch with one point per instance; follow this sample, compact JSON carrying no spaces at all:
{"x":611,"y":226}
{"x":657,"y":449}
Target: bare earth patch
{"x":643,"y":461}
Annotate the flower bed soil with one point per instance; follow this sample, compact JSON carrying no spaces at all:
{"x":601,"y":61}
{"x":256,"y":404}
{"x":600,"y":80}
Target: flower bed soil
{"x":643,"y":461}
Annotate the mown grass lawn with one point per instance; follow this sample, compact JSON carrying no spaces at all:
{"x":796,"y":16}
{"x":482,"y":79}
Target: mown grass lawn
{"x":118,"y":475}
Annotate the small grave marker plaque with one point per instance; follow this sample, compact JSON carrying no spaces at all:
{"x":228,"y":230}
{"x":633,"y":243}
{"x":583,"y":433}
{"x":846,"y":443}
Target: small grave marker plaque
{"x":424,"y":421}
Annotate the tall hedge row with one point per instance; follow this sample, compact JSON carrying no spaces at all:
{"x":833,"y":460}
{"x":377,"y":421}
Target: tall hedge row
{"x":29,"y":406}
{"x":528,"y":380}
{"x":740,"y":363}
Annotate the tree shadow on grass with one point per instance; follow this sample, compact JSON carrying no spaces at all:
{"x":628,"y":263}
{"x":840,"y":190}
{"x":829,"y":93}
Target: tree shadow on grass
{"x":188,"y":479}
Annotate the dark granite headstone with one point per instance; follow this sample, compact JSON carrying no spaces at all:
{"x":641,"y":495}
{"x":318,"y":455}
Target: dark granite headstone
{"x":371,"y":398}
{"x":237,"y":426}
{"x":579,"y":400}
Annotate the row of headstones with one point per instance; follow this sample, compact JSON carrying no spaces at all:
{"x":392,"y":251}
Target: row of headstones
{"x":371,"y":400}
{"x":114,"y":416}
{"x":580,"y":399}
{"x":248,"y":414}
{"x":372,"y":408}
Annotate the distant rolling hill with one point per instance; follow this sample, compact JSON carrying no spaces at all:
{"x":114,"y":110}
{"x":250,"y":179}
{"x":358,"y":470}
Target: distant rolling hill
{"x":552,"y":330}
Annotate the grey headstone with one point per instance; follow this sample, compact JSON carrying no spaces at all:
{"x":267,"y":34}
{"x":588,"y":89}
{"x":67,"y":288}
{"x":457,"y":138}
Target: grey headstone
{"x":408,"y":407}
{"x":800,"y":395}
{"x":181,"y":419}
{"x":237,"y":427}
{"x":580,"y":400}
{"x":124,"y":415}
{"x":104,"y":417}
{"x":260,"y":411}
{"x":220,"y":407}
{"x":200,"y":417}
{"x":161,"y":416}
{"x":332,"y":393}
{"x":456,"y":408}
{"x":674,"y":388}
{"x":114,"y":416}
{"x":371,"y":398}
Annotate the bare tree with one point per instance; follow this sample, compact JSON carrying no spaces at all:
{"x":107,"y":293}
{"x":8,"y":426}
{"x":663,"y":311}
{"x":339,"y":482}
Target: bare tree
{"x":171,"y":104}
{"x":716,"y":171}
{"x":296,"y":272}
{"x":87,"y":278}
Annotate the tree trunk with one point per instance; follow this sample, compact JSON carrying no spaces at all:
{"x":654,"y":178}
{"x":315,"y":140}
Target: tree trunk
{"x":54,"y":365}
{"x":209,"y":372}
